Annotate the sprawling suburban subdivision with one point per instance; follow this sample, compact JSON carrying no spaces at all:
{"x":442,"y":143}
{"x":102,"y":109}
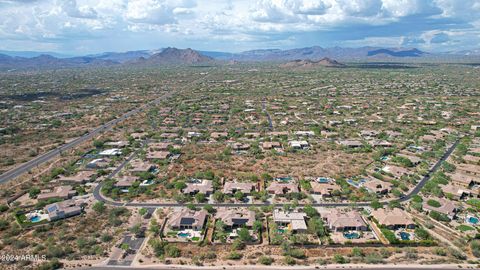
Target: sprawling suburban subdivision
{"x":296,"y":157}
{"x":250,"y":164}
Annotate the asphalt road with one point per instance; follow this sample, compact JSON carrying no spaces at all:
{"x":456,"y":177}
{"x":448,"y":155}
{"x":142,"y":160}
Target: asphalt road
{"x":98,"y":196}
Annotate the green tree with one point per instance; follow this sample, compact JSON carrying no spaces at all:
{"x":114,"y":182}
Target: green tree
{"x":375,"y":204}
{"x":244,"y":235}
{"x":99,"y":207}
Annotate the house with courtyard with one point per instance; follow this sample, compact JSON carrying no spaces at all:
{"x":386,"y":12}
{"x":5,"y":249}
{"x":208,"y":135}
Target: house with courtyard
{"x":393,"y":219}
{"x":446,"y":207}
{"x":279,"y":188}
{"x":61,"y":192}
{"x":203,"y":187}
{"x":341,"y":220}
{"x":81,"y":177}
{"x":236,"y":217}
{"x":62,"y":210}
{"x":291,"y":220}
{"x":325,"y":190}
{"x":231,"y":188}
{"x":378,"y":186}
{"x":184,"y":218}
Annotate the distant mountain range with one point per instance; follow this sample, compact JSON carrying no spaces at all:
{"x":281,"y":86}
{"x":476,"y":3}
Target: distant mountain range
{"x":307,"y":63}
{"x":174,"y":56}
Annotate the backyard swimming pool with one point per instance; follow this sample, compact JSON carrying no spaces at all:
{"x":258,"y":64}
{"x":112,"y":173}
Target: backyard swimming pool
{"x":472,"y":220}
{"x":404,"y":236}
{"x":358,"y":183}
{"x":352,"y":235}
{"x":284,"y":179}
{"x":323,"y":180}
{"x":183,"y":234}
{"x":35,"y":219}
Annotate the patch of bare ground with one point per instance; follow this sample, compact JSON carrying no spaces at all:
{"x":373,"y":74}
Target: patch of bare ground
{"x":333,"y":163}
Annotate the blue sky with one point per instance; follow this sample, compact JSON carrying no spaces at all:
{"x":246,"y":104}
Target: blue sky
{"x":91,"y":26}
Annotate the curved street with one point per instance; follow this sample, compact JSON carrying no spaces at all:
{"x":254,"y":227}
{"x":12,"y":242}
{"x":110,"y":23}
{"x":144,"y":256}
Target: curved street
{"x":99,"y":196}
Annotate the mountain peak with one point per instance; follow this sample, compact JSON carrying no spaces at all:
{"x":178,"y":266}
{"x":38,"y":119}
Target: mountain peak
{"x":178,"y":56}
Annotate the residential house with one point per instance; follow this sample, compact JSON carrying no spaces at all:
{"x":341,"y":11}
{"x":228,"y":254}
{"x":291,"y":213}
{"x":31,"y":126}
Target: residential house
{"x":204,"y":187}
{"x":277,"y":133}
{"x":463,"y":180}
{"x":218,"y":135}
{"x":413,"y":159}
{"x":393,"y":218}
{"x":169,"y":135}
{"x":469,"y":169}
{"x":298,"y":144}
{"x":350,"y":143}
{"x":344,"y":220}
{"x":61,"y":192}
{"x":64,"y":209}
{"x":125,"y":181}
{"x":111,"y":152}
{"x":81,"y":177}
{"x":380,"y":143}
{"x":181,"y":219}
{"x":397,"y":171}
{"x":447,"y":207}
{"x":328,"y":134}
{"x":278,"y":188}
{"x":98,"y":163}
{"x":140,"y":166}
{"x":240,"y":146}
{"x":252,"y":135}
{"x":159,"y":146}
{"x":192,"y":134}
{"x":233,"y":187}
{"x":236,"y":217}
{"x":324,"y":189}
{"x":271,"y":145}
{"x":161,"y":155}
{"x":377,"y":186}
{"x":456,"y":192}
{"x":369,"y":133}
{"x":117,"y":144}
{"x":293,"y":220}
{"x":475,"y":160}
{"x":305,"y":133}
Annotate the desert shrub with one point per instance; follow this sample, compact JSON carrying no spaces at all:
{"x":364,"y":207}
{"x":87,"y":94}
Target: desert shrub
{"x":439,"y":216}
{"x":339,"y":259}
{"x":234,"y":256}
{"x":475,"y":246}
{"x":457,"y":253}
{"x":289,"y":260}
{"x":265,"y":260}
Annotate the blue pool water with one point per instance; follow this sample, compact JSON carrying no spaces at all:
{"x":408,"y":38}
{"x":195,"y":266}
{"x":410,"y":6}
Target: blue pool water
{"x":404,"y":236}
{"x":323,"y":180}
{"x":183,"y":235}
{"x":352,"y":235}
{"x":384,"y":158}
{"x":283,"y":179}
{"x":356,"y":184}
{"x":473,"y":220}
{"x":35,"y":219}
